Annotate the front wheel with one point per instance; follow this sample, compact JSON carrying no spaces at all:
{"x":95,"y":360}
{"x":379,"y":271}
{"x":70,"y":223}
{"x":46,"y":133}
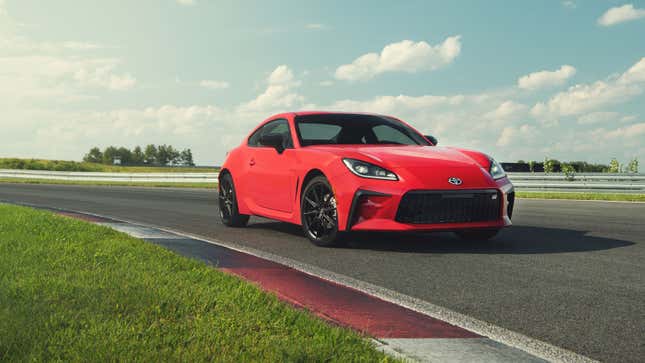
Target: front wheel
{"x":319,"y":214}
{"x":477,"y":234}
{"x":228,"y":211}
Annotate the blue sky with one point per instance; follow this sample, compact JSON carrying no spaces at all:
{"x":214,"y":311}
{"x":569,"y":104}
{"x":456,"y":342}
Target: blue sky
{"x":517,"y":80}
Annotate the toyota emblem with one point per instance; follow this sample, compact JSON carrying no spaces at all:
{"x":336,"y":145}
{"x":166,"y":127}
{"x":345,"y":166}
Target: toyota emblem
{"x":454,"y":181}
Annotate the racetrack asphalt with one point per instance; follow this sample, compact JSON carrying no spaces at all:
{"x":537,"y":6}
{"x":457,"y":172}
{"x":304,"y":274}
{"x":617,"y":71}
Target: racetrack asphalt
{"x":570,"y":273}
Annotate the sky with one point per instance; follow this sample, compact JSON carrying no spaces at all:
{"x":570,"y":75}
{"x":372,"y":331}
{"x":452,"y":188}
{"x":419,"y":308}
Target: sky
{"x":517,"y":80}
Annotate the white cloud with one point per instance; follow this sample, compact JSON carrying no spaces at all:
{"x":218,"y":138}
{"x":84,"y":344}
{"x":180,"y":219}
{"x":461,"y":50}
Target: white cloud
{"x":583,"y":98}
{"x":212,"y":84}
{"x":279,"y":95}
{"x":404,"y":56}
{"x":569,"y":4}
{"x":186,"y":2}
{"x":81,"y":45}
{"x":316,"y":26}
{"x":635,"y":74}
{"x":599,"y":117}
{"x":511,"y":135}
{"x":630,"y":132}
{"x":621,"y":14}
{"x":507,"y":110}
{"x":544,"y":79}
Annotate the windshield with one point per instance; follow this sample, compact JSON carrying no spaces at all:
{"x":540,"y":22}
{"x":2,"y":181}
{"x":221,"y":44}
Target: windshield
{"x":346,"y":129}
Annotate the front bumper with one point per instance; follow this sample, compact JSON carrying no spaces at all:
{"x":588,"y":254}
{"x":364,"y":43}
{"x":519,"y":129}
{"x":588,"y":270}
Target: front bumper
{"x":375,"y":207}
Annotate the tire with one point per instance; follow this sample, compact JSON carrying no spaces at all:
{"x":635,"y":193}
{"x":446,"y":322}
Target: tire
{"x":228,"y":210}
{"x":477,"y":234}
{"x":318,"y":213}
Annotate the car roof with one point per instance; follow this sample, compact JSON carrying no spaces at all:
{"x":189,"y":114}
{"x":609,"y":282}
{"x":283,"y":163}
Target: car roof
{"x":307,"y":113}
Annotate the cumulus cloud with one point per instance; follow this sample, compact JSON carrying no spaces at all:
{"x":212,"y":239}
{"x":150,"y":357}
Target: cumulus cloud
{"x":630,"y":132}
{"x":545,"y":79}
{"x":621,"y":14}
{"x":584,"y":98}
{"x":280,"y":93}
{"x":404,"y":56}
{"x":213,"y":84}
{"x":316,"y":26}
{"x":599,"y":117}
{"x":569,"y":4}
{"x":511,"y":135}
{"x":507,"y":110}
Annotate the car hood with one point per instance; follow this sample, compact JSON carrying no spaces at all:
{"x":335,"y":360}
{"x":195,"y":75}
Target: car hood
{"x":394,"y":156}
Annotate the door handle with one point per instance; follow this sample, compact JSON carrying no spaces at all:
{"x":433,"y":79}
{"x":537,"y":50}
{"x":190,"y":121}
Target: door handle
{"x":252,"y":162}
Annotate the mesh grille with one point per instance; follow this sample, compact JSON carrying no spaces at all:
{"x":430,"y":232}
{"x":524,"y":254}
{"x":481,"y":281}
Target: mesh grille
{"x":430,"y":207}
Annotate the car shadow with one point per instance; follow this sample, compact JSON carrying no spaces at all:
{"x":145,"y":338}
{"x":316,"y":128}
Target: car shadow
{"x":515,"y":240}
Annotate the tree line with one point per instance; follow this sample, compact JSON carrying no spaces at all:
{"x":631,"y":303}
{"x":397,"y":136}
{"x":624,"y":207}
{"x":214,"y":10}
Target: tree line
{"x":554,"y":166}
{"x":161,"y":155}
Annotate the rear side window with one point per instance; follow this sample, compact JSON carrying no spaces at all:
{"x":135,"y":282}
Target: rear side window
{"x":318,"y":132}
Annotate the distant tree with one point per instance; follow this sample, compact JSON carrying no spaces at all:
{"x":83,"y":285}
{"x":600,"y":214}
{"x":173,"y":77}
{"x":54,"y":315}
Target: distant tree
{"x":549,"y":165}
{"x":632,"y":167}
{"x":568,"y":170}
{"x":186,"y":158}
{"x":614,"y":166}
{"x":94,"y":156}
{"x":166,"y":154}
{"x":521,"y":161}
{"x":125,"y":155}
{"x":138,"y":156}
{"x":109,"y":154}
{"x":150,"y":155}
{"x":532,"y":166}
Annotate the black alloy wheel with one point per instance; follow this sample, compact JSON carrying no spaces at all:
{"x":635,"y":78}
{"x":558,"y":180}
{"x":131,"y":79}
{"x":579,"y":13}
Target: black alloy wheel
{"x":228,"y":211}
{"x":319,"y":213}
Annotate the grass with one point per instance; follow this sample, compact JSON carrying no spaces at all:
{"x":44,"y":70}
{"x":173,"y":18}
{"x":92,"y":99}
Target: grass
{"x":619,"y":197}
{"x":63,"y":165}
{"x":110,"y":183}
{"x":73,"y":291}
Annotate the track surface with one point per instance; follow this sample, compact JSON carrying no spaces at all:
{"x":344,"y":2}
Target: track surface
{"x":570,"y":273}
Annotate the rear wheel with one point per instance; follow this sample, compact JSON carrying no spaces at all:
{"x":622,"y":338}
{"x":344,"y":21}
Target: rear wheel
{"x":477,"y":234}
{"x":319,"y":214}
{"x":228,"y":211}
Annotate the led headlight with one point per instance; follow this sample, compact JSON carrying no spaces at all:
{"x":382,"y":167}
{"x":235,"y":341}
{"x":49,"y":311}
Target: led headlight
{"x":496,"y":170}
{"x":367,"y":170}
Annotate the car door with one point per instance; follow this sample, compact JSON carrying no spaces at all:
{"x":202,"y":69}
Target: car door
{"x":271,"y":174}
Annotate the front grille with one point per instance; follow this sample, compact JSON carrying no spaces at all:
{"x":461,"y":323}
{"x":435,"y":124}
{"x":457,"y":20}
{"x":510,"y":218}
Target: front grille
{"x":460,"y":206}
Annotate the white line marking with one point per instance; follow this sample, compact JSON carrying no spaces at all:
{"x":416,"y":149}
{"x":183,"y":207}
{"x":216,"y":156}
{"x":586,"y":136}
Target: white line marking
{"x":481,"y":350}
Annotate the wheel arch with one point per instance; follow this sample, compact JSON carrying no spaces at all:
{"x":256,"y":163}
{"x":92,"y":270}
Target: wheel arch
{"x":312,"y":173}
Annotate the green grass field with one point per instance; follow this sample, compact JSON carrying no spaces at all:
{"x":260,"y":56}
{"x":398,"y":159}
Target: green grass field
{"x":63,"y":165}
{"x":618,"y":197}
{"x":73,"y":291}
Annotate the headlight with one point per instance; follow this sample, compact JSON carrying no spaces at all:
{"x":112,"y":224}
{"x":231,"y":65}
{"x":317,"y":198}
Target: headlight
{"x":367,"y":170}
{"x":496,"y":170}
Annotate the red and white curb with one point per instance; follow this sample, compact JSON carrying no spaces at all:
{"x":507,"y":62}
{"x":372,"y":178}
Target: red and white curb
{"x":399,"y":325}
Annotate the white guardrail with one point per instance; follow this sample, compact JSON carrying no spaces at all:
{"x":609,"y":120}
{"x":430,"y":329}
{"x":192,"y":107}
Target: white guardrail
{"x":111,"y":177}
{"x":630,"y":183}
{"x":625,"y":183}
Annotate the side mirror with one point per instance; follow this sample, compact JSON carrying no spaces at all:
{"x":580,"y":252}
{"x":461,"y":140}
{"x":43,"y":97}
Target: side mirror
{"x":431,"y":138}
{"x":275,"y":141}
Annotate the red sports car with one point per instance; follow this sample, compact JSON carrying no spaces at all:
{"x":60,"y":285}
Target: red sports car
{"x":334,"y":173}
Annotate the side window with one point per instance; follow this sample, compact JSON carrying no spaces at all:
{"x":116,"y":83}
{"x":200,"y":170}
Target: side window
{"x":279,"y":126}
